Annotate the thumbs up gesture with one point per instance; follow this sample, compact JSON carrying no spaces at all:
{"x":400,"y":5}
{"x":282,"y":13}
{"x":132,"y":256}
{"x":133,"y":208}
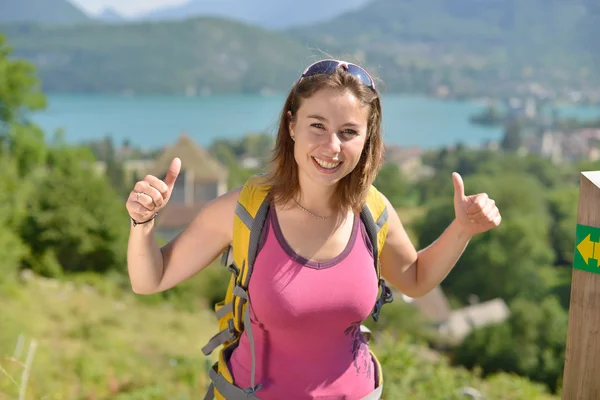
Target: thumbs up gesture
{"x":152,"y":194}
{"x":476,"y":213}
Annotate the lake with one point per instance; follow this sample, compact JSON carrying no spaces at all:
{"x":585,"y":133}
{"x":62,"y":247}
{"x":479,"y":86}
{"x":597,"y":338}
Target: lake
{"x":153,"y":121}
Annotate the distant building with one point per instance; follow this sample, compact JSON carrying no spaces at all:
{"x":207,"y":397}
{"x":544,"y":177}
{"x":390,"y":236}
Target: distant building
{"x":455,"y":325}
{"x":201,"y":179}
{"x":559,"y":147}
{"x":409,"y":161}
{"x":434,"y":306}
{"x":462,"y":321}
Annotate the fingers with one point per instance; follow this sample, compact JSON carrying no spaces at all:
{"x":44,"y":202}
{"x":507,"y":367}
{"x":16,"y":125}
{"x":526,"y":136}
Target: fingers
{"x":484,"y":211}
{"x":496,"y":218}
{"x":478,"y":204}
{"x":480,"y":209}
{"x":147,"y":197}
{"x":159,"y":185}
{"x":141,"y":204}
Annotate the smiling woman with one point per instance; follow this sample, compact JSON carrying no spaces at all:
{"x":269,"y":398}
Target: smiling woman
{"x":331,"y":126}
{"x":333,"y":140}
{"x":317,"y":240}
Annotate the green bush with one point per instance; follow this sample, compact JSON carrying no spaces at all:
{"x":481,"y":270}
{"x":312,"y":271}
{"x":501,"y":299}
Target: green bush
{"x":412,"y":371}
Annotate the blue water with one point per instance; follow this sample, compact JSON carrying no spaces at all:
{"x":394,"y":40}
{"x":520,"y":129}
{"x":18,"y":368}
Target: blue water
{"x":153,"y":121}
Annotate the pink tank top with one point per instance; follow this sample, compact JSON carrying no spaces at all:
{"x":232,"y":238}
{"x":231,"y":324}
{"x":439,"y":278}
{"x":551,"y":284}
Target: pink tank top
{"x":306,"y":320}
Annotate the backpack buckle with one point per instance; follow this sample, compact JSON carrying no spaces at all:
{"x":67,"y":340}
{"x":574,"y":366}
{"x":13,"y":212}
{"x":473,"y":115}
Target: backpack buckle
{"x":227,"y":257}
{"x":226,"y":335}
{"x":385,"y":297}
{"x":233,"y":269}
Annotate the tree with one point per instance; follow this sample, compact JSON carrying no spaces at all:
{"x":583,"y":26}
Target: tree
{"x":80,"y":224}
{"x":13,"y":193}
{"x":19,"y":89}
{"x":512,"y":136}
{"x":503,"y":262}
{"x":19,"y":94}
{"x":392,"y":184}
{"x":530,"y":343}
{"x":464,"y":161}
{"x":563,"y":208}
{"x":60,"y":213}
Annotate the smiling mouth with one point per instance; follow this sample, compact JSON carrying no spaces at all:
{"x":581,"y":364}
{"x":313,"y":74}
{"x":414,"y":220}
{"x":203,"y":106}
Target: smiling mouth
{"x":326,"y":164}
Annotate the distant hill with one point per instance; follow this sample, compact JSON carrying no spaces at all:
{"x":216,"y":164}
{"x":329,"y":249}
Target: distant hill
{"x":495,"y":40}
{"x":264,"y":13}
{"x":109,"y":15}
{"x":203,"y":55}
{"x":41,"y":11}
{"x":457,"y":48}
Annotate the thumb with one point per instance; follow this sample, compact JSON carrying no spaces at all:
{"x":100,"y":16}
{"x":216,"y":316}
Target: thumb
{"x":172,"y":173}
{"x":459,"y":186}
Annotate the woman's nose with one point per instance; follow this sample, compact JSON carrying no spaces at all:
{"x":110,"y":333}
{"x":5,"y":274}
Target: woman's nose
{"x":333,"y":144}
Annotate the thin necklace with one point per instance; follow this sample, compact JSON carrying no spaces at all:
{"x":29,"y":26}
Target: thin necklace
{"x":311,"y":213}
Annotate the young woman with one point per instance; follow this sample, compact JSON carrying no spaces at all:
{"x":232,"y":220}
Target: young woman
{"x":313,"y":280}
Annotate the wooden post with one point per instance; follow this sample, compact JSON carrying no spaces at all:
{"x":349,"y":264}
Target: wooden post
{"x":581,"y":378}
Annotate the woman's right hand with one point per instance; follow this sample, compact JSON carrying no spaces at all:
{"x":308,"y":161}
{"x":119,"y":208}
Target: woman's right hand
{"x":151,"y":194}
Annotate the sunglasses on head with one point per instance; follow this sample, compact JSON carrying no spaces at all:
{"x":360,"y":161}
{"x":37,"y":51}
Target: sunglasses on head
{"x":329,"y":67}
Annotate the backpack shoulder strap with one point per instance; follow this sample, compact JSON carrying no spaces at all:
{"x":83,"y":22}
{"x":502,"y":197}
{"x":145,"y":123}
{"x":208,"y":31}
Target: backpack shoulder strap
{"x":375,"y":217}
{"x":250,"y":215}
{"x":376,"y":221}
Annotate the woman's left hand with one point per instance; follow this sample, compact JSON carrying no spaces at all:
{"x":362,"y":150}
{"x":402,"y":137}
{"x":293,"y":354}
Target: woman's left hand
{"x":476,"y":213}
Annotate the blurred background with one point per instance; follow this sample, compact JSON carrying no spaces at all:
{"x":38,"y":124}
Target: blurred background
{"x":94,"y":94}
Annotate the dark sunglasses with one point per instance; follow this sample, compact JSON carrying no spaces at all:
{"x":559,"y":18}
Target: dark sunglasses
{"x":329,"y":67}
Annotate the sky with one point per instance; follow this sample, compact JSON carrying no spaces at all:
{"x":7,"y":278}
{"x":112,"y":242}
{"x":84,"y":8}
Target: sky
{"x":125,"y":7}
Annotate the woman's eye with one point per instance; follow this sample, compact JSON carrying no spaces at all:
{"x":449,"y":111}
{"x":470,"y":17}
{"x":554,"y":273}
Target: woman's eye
{"x":349,"y":132}
{"x":320,"y":126}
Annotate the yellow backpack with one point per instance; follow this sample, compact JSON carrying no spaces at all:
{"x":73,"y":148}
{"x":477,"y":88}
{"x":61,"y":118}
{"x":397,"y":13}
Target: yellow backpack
{"x":233,"y":312}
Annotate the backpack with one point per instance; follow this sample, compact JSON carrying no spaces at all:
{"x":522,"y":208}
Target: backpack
{"x":233,"y":313}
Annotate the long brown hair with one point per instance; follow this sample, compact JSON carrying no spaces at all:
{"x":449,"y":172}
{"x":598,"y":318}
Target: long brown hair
{"x":282,"y":170}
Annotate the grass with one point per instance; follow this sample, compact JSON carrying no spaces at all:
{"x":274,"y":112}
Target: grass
{"x":93,"y":347}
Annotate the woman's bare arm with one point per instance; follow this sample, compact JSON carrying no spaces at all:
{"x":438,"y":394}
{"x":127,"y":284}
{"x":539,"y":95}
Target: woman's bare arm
{"x":153,"y":269}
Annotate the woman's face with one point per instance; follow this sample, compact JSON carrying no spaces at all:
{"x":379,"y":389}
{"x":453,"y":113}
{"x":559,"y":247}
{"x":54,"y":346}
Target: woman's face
{"x":329,"y":132}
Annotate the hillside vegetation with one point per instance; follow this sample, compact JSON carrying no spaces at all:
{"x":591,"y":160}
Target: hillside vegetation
{"x":206,"y":54}
{"x":462,"y":43}
{"x":42,"y":11}
{"x":469,"y":47}
{"x":112,"y":345}
{"x":94,"y":346}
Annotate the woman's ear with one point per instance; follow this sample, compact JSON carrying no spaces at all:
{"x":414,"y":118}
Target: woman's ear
{"x":290,"y":121}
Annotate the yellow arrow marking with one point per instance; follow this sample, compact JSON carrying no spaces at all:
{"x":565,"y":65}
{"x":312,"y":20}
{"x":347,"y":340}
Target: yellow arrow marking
{"x":588,"y":249}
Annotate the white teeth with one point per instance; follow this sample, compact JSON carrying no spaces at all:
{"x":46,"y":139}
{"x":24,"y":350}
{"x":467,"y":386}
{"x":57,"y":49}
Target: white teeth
{"x":327,"y":165}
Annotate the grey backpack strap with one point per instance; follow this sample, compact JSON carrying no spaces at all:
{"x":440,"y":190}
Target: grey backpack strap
{"x":210,"y":392}
{"x":372,"y":227}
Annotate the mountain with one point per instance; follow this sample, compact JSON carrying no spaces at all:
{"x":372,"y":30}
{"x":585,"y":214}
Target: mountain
{"x":438,"y":26}
{"x":41,"y":11}
{"x":467,"y":40}
{"x":109,"y":15}
{"x":203,"y":55}
{"x":272,"y":14}
{"x":456,"y":48}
